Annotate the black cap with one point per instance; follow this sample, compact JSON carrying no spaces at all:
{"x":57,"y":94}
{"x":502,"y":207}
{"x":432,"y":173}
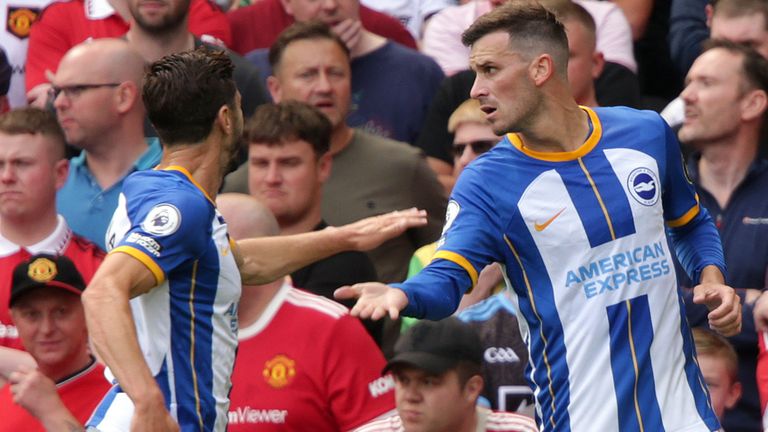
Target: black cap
{"x":46,"y":271}
{"x":436,"y":346}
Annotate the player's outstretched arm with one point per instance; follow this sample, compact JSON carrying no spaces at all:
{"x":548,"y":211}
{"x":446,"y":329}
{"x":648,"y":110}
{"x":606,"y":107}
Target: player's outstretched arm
{"x":374,"y":300}
{"x":113,"y":333}
{"x":265,"y":259}
{"x":722,"y":301}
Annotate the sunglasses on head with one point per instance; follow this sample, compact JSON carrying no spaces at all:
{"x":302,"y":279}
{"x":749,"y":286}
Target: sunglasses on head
{"x":478,"y":147}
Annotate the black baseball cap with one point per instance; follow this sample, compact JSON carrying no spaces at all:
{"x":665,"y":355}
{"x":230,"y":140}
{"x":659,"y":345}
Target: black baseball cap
{"x":45,"y":271}
{"x":436,"y":346}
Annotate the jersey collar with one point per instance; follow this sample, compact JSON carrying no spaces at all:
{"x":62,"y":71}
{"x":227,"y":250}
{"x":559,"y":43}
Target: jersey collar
{"x":54,"y":244}
{"x":191,"y":179}
{"x":269,"y":313}
{"x":590,"y":143}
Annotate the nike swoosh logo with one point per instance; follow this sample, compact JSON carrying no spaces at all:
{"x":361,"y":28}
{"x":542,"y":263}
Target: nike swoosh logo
{"x":543,"y":226}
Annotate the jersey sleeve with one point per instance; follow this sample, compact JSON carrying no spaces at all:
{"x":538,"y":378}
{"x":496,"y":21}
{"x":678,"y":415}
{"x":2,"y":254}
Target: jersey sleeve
{"x":168,"y":228}
{"x":357,"y":393}
{"x":690,"y":228}
{"x":469,"y":242}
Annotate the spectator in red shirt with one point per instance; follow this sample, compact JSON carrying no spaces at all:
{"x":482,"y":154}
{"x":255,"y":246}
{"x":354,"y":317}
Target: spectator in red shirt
{"x":32,"y":169}
{"x":67,"y":384}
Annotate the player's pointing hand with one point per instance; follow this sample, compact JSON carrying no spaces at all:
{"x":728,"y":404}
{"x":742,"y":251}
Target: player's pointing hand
{"x":375,"y":300}
{"x":723,"y":304}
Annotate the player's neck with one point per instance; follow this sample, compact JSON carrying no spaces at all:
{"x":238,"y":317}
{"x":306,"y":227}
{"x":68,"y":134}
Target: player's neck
{"x":26,"y":231}
{"x":573,"y":130}
{"x":201,"y":160}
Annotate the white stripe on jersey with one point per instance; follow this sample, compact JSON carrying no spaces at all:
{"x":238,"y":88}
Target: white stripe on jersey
{"x":298,"y":298}
{"x":667,"y":354}
{"x":318,"y":303}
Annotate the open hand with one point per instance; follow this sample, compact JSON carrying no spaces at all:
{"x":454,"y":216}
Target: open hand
{"x":369,"y":233}
{"x":375,"y":300}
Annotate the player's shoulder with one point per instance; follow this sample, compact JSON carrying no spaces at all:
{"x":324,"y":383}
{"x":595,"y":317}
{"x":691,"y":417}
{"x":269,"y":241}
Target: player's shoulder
{"x":609,"y":116}
{"x":152,"y":187}
{"x":316,"y":307}
{"x":499,"y":164}
{"x":498,"y":421}
{"x":628,"y":128}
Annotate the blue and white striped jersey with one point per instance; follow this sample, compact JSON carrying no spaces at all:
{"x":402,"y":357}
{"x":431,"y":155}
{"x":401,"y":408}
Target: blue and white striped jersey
{"x":187,"y":324}
{"x":582,"y":238}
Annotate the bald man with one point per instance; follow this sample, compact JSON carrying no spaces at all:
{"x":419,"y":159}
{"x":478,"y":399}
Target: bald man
{"x":320,"y":368}
{"x":97,"y":96}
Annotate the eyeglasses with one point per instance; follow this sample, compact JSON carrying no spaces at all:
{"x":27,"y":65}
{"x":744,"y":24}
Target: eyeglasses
{"x":478,"y":147}
{"x":73,"y":91}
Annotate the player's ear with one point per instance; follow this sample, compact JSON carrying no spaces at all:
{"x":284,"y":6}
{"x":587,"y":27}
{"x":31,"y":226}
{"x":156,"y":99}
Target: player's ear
{"x":541,"y":68}
{"x":224,"y":119}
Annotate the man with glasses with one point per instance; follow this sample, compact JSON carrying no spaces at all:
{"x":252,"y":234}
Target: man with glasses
{"x":96,"y":93}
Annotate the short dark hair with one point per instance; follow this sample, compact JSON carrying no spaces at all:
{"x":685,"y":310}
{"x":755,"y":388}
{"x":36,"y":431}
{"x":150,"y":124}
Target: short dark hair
{"x":274,"y":124}
{"x":530,"y":26}
{"x":740,"y":8}
{"x":754,"y":67}
{"x":183,"y":93}
{"x":303,"y":31}
{"x":29,"y":120}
